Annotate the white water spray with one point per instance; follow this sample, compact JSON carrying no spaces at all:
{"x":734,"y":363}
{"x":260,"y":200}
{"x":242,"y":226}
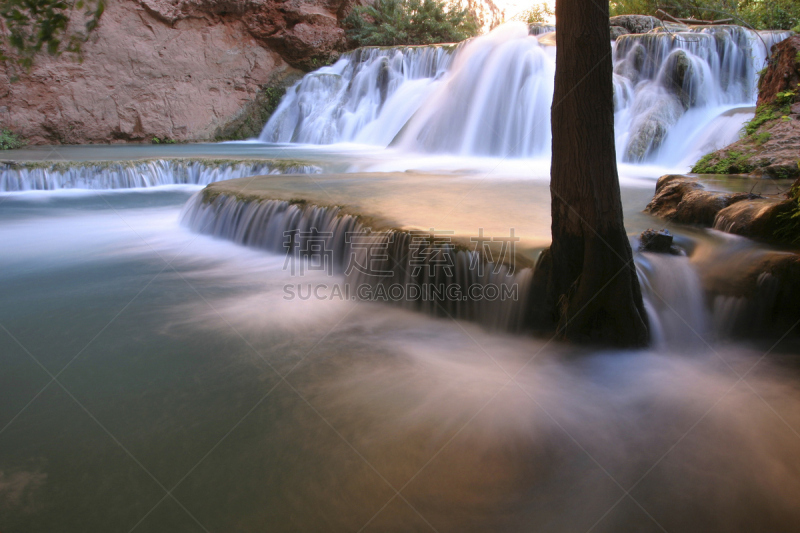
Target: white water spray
{"x":491,"y":96}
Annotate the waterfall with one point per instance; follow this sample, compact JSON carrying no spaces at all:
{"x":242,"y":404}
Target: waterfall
{"x":491,"y":96}
{"x":668,"y":81}
{"x":674,"y":300}
{"x":31,"y":176}
{"x":367,"y":96}
{"x":407,"y":268}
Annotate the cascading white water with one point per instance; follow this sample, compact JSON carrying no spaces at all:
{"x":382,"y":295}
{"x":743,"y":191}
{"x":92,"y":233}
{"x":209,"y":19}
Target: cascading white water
{"x":491,"y":96}
{"x":135,"y":174}
{"x":494,"y":101}
{"x":681,"y":81}
{"x":366,"y":97}
{"x":674,"y":299}
{"x":673,"y":294}
{"x":388,"y":269}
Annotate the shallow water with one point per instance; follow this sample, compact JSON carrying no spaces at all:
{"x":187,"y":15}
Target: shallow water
{"x":180,"y":367}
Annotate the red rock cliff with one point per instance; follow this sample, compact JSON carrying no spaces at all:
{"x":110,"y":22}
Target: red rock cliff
{"x":174,"y":69}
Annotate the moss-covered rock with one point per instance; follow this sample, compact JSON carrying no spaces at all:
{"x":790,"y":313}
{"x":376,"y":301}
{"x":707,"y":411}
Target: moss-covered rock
{"x":250,"y":119}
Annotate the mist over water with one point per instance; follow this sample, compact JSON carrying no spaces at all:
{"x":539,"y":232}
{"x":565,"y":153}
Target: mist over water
{"x":483,"y":430}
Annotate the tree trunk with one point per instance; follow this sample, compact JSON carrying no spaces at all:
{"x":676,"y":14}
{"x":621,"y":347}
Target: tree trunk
{"x":587,"y":279}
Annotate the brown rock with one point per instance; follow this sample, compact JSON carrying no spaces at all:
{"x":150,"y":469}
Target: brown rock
{"x":682,"y":199}
{"x":174,"y":69}
{"x":783,"y":71}
{"x":758,"y":219}
{"x":762,"y":285}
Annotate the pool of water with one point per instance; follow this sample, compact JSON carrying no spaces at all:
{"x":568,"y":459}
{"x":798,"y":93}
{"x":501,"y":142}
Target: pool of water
{"x":154,"y":379}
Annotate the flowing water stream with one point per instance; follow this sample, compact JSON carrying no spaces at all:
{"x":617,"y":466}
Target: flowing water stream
{"x":156,"y":374}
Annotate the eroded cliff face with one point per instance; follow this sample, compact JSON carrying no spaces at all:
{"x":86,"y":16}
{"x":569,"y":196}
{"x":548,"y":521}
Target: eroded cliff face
{"x":171,"y":69}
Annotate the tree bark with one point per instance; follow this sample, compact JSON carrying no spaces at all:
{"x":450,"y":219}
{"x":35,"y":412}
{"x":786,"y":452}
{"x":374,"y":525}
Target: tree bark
{"x":587,"y":280}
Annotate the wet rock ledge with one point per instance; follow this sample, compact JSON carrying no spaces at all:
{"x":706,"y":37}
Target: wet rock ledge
{"x":683,"y":199}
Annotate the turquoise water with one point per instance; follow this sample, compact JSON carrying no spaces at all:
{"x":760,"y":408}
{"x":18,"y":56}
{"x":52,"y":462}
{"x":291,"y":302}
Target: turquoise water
{"x":154,"y":379}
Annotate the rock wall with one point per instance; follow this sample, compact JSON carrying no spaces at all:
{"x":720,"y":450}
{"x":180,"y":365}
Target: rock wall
{"x":172,"y":69}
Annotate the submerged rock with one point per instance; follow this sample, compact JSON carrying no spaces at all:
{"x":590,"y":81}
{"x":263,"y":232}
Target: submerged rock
{"x":677,"y":78}
{"x":753,"y":292}
{"x":652,"y":126}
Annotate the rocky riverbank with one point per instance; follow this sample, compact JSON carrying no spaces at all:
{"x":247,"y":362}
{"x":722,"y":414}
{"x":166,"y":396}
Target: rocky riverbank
{"x":764,"y":217}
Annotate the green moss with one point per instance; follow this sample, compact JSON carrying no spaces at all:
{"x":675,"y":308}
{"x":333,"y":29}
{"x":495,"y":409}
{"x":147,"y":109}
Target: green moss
{"x":733,"y":163}
{"x":762,"y":137}
{"x":763,"y":115}
{"x":10,"y":140}
{"x":251,"y":119}
{"x":785,"y":98}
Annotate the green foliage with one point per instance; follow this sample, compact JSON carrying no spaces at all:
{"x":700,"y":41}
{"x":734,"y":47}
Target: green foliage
{"x":253,"y":116}
{"x":762,"y":137}
{"x":785,"y":97}
{"x":536,"y":14}
{"x":771,"y":14}
{"x":409,"y":22}
{"x":165,"y":140}
{"x":733,"y":163}
{"x":763,"y":115}
{"x":10,"y":140}
{"x":760,"y":14}
{"x":51,"y":25}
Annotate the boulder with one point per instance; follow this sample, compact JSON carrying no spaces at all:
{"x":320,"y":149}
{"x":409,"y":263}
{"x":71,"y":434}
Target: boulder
{"x":757,"y":218}
{"x":682,"y":199}
{"x":657,"y":241}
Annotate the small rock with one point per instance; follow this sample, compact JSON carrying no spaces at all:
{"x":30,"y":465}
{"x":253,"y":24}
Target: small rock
{"x":656,"y":241}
